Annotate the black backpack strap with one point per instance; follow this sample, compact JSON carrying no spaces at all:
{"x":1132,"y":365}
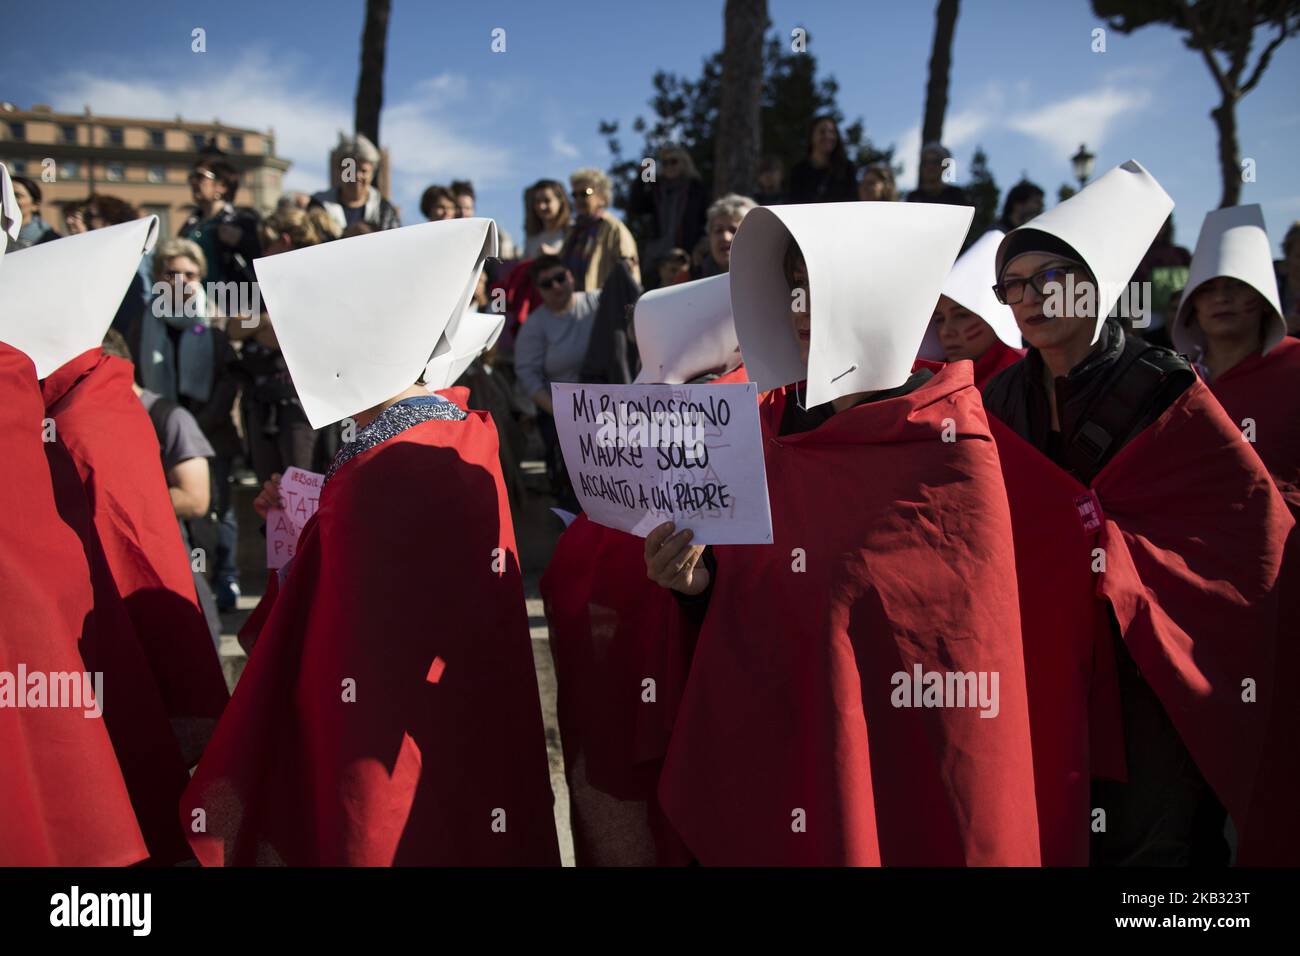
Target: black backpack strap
{"x":1134,"y":390}
{"x":159,"y":412}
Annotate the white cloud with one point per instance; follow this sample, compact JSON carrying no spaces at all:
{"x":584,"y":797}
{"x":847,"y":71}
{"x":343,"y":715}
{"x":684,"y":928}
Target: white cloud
{"x":561,"y":147}
{"x":1059,"y":126}
{"x":1086,"y":118}
{"x":427,"y":140}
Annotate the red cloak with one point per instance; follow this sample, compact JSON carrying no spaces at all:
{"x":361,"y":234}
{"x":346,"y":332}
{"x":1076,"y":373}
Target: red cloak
{"x":1263,"y":391}
{"x":389,"y":713}
{"x":996,"y":357}
{"x":108,"y":433}
{"x":611,"y":629}
{"x":892,"y":552}
{"x":63,"y":801}
{"x":1191,"y":533}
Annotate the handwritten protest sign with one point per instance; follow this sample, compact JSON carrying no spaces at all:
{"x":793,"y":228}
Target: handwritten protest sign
{"x":640,"y":455}
{"x":300,"y":492}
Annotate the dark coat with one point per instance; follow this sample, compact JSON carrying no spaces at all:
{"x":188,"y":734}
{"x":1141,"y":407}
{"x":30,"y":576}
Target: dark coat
{"x":1088,"y":395}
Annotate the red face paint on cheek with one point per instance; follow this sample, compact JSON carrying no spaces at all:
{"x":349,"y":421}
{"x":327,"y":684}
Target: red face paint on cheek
{"x":973,"y":333}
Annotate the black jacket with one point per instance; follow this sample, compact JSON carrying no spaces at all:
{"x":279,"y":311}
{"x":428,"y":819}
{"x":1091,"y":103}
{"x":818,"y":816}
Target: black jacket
{"x":236,"y":263}
{"x":1123,"y":386}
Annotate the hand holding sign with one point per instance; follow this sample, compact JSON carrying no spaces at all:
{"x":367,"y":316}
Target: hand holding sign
{"x":299,"y":497}
{"x":640,"y":455}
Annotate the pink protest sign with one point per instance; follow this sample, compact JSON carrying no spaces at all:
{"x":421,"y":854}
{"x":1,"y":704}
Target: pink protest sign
{"x":300,"y":492}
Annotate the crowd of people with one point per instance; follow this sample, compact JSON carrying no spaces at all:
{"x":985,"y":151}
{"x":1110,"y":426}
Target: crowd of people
{"x":967,"y":473}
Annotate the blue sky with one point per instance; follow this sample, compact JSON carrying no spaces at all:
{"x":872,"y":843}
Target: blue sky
{"x":1025,"y":84}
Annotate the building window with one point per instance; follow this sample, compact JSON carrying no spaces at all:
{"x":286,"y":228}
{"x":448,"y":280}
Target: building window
{"x":156,"y":174}
{"x":115,"y":136}
{"x":18,"y":130}
{"x":69,"y":170}
{"x":200,"y":140}
{"x":235,"y":142}
{"x":69,"y":134}
{"x":18,"y":166}
{"x":157,"y":139}
{"x":114,"y":172}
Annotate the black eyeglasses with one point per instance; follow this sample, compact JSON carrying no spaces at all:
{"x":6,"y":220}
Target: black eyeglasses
{"x":557,"y":279}
{"x":1012,"y":291}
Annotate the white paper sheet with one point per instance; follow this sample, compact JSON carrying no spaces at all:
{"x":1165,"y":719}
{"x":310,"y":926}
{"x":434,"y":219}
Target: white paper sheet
{"x":1233,"y":242}
{"x":970,"y":284}
{"x":57,"y":299}
{"x":358,"y":319}
{"x":640,"y":455}
{"x":874,"y":274}
{"x":686,"y":330}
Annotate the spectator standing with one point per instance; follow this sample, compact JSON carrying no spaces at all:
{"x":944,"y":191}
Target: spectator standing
{"x":771,"y":181}
{"x":275,"y":427}
{"x":547,"y":214}
{"x":825,"y":174}
{"x":227,"y":236}
{"x":100,"y":211}
{"x":877,"y":184}
{"x":354,"y":198}
{"x":673,"y":204}
{"x":930,"y":186}
{"x":551,"y":347}
{"x":597,"y":240}
{"x":724,"y":219}
{"x":183,"y":355}
{"x":437,"y":203}
{"x":34,"y":229}
{"x":1024,"y":201}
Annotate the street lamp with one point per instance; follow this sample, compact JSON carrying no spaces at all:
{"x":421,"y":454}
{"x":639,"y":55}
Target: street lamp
{"x":1082,"y":162}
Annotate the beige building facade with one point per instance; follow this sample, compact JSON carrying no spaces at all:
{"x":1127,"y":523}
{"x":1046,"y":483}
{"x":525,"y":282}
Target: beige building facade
{"x":145,"y":162}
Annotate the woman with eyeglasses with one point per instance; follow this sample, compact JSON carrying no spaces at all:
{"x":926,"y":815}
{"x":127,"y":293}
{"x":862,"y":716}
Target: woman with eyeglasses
{"x":1148,"y":541}
{"x":671,"y":205}
{"x":825,"y":174}
{"x":183,"y":356}
{"x":598,"y":240}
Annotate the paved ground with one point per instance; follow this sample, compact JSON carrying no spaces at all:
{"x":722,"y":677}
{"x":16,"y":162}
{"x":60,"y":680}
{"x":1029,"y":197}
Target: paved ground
{"x":536,"y":529}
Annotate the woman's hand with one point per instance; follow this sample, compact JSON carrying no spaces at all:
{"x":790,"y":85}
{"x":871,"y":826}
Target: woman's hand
{"x":673,"y":562}
{"x":268,"y":497}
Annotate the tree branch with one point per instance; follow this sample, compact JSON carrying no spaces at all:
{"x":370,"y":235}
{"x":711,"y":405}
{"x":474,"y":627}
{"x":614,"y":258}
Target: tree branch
{"x":1207,"y":49}
{"x":1264,"y":57}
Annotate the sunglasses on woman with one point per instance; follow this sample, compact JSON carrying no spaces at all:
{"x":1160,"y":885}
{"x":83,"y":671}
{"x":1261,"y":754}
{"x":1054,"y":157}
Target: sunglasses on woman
{"x":558,"y":279}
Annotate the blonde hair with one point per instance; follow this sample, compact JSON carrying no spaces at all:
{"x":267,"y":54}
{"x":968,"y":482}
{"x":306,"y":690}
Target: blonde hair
{"x":170,"y":249}
{"x":292,"y":222}
{"x":597,"y":180}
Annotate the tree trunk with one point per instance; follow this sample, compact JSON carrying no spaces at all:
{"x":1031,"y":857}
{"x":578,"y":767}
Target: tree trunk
{"x":736,"y":153}
{"x":936,"y":91}
{"x":370,"y":82}
{"x":1225,"y":119}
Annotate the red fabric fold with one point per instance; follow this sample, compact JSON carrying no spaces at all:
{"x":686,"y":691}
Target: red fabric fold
{"x":110,"y":438}
{"x":1262,"y":393}
{"x":63,"y":800}
{"x":892,"y":549}
{"x":1186,"y":553}
{"x":389,"y":713}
